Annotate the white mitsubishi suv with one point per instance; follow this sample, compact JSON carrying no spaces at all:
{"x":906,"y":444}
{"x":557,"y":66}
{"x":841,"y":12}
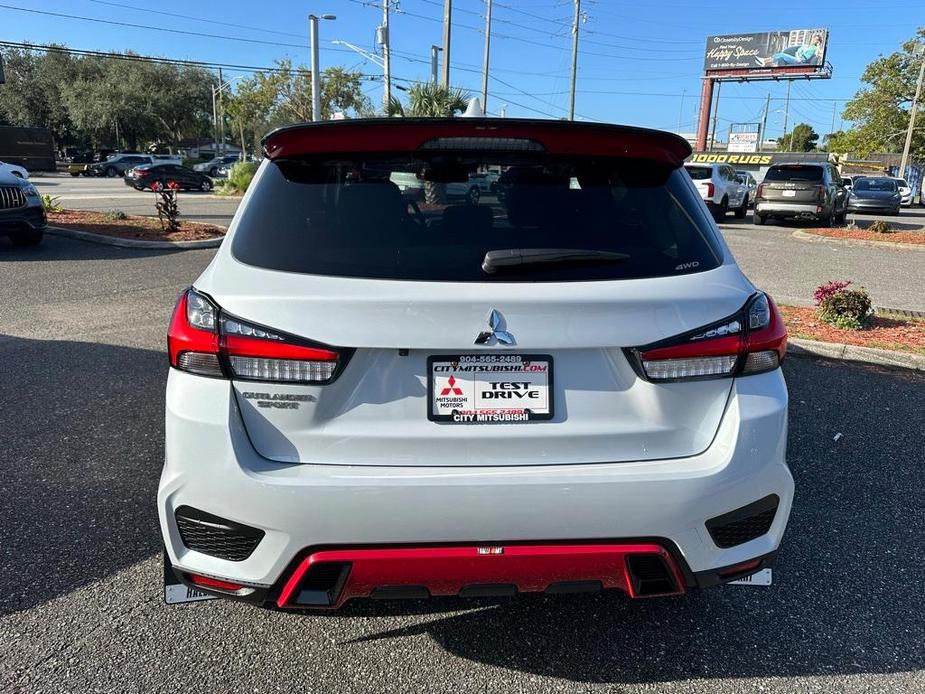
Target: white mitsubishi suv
{"x":564,"y":385}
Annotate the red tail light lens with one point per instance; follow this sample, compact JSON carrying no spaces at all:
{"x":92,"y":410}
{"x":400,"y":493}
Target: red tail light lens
{"x":752,"y":341}
{"x":820,"y":192}
{"x":710,"y":190}
{"x":760,"y":192}
{"x":204,"y":340}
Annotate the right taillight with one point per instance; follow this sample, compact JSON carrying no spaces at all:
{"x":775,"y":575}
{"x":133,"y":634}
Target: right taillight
{"x":754,"y":340}
{"x":711,"y":189}
{"x":204,"y":340}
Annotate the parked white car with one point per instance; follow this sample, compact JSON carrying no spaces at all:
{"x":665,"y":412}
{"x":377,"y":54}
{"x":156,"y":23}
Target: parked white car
{"x":905,"y":192}
{"x":720,"y":189}
{"x":746,"y":178}
{"x":554,"y":390}
{"x":17,"y":171}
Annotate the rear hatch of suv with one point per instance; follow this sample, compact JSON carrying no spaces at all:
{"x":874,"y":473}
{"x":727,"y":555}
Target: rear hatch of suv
{"x":444,"y":332}
{"x":793,"y":183}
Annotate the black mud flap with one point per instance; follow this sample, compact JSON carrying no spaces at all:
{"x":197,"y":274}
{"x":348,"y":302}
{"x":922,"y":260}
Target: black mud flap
{"x":175,"y":592}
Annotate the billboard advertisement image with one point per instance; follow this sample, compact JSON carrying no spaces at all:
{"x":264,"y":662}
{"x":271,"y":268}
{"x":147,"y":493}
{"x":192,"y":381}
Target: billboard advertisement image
{"x":766,"y":52}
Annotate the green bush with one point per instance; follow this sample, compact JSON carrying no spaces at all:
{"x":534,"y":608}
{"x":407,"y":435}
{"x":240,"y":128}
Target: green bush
{"x":50,"y":203}
{"x":240,"y":177}
{"x":847,"y":309}
{"x":115,"y":215}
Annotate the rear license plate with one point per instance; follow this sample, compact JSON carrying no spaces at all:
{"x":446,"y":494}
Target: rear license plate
{"x":762,"y":578}
{"x":489,"y":388}
{"x":789,"y":193}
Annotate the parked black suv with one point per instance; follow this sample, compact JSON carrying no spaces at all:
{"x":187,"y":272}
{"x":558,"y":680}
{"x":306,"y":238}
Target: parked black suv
{"x":807,"y":191}
{"x":22,"y":216}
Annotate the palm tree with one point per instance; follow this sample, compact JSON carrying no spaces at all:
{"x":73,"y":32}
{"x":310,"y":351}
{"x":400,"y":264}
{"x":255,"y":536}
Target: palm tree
{"x":429,"y":100}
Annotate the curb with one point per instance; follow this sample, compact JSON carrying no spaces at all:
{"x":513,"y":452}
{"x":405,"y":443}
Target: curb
{"x":817,"y":238}
{"x":869,"y":355}
{"x":134,"y":243}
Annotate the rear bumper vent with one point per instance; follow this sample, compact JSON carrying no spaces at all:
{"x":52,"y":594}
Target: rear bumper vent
{"x":743,"y":524}
{"x":217,"y":537}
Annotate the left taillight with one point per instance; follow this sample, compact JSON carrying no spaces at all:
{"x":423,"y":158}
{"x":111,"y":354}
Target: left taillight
{"x":202,"y":339}
{"x":754,"y":340}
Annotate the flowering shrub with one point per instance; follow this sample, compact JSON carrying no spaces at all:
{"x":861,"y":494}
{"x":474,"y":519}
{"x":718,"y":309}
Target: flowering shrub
{"x":827,"y":289}
{"x":848,"y":309}
{"x":166,"y":204}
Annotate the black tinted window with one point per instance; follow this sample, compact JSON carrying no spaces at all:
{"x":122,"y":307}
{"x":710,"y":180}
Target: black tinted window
{"x":382,"y":218}
{"x":700,"y":173}
{"x":794,"y":172}
{"x":883,"y":185}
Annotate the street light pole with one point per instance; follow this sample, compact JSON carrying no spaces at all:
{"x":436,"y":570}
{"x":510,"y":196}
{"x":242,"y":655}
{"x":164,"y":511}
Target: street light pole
{"x":918,"y":50}
{"x":434,"y":62}
{"x":447,"y":26}
{"x":316,"y":75}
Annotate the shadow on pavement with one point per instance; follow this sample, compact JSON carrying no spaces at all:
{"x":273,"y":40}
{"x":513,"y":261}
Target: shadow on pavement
{"x":848,"y":596}
{"x":82,"y":451}
{"x":54,"y":248}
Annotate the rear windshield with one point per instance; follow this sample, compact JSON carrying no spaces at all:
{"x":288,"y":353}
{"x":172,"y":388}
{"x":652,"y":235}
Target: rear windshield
{"x":882,"y":185}
{"x":432,"y":218}
{"x":699,"y":173}
{"x":794,"y":172}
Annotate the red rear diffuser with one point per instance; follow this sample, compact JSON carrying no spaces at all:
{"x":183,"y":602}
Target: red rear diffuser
{"x":640,"y":570}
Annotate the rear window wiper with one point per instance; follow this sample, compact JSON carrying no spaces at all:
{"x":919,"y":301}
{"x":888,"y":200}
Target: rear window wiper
{"x":512,"y":258}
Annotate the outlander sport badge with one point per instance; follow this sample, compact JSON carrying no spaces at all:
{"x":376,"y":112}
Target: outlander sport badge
{"x":495,"y":323}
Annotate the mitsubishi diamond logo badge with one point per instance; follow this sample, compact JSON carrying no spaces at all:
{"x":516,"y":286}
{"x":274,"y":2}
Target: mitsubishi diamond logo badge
{"x":495,"y":334}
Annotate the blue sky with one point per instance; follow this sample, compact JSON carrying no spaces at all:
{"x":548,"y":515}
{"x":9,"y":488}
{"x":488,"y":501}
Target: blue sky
{"x":639,"y":63}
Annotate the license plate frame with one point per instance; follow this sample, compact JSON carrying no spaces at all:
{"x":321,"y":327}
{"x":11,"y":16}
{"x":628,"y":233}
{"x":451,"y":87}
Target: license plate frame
{"x":483,"y":415}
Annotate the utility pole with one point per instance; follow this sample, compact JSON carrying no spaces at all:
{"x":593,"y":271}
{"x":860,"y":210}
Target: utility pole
{"x":487,"y":48}
{"x":918,"y":50}
{"x":575,"y":24}
{"x":386,"y":67}
{"x":834,"y":109}
{"x":214,"y":124}
{"x":787,"y":111}
{"x":447,"y":19}
{"x":434,"y":62}
{"x":681,"y":111}
{"x":221,"y":114}
{"x":719,"y":84}
{"x":764,"y":121}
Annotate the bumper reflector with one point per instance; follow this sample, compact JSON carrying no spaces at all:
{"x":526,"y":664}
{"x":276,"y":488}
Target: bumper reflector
{"x":214,"y":583}
{"x":330,"y":578}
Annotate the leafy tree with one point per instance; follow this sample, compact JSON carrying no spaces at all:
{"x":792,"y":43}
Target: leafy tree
{"x":880,"y":109}
{"x":801,"y":139}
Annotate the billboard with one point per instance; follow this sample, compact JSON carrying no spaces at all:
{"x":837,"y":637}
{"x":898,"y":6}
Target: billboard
{"x":775,"y":52}
{"x":743,"y":137}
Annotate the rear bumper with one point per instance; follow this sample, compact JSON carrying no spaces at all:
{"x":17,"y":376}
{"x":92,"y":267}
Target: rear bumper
{"x":873,"y":207}
{"x":306,"y":509}
{"x":790,"y":209}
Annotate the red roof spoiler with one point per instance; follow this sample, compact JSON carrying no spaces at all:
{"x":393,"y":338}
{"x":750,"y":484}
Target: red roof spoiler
{"x":410,"y":134}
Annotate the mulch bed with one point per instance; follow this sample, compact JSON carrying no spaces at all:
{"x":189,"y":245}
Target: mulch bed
{"x":141,"y":228}
{"x":917,"y":237}
{"x":883,"y":333}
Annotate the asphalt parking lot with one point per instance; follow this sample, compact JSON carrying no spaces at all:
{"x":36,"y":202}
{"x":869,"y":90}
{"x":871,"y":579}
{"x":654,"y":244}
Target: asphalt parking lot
{"x":82,"y":341}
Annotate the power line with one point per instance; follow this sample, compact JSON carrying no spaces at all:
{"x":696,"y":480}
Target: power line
{"x":196,"y":19}
{"x":197,"y":34}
